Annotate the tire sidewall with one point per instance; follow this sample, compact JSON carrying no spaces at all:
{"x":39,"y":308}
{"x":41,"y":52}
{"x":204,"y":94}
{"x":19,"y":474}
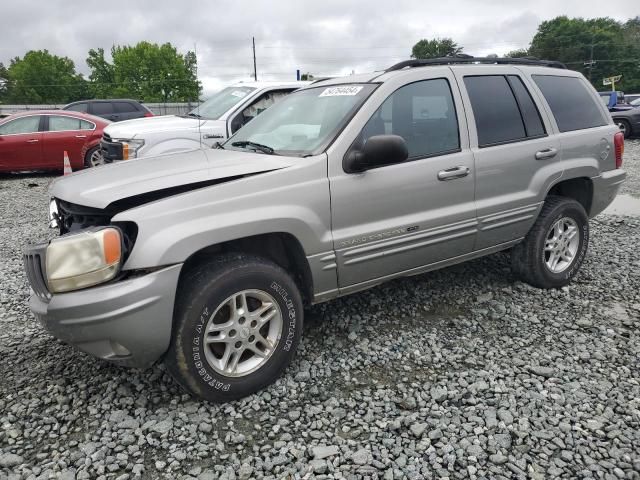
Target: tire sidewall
{"x":87,"y":156}
{"x":577,"y":214}
{"x":627,"y":128}
{"x":208,"y":383}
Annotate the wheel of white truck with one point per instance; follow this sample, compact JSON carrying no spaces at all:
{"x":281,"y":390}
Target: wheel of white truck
{"x":237,"y":323}
{"x":554,"y":249}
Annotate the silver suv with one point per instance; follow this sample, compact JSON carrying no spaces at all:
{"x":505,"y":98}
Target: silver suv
{"x":208,"y":258}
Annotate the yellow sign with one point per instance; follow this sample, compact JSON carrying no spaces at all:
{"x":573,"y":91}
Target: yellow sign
{"x":611,"y":81}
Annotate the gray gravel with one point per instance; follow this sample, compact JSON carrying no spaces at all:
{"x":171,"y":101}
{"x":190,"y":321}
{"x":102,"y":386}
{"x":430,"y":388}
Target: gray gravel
{"x":631,"y":163}
{"x":460,"y":373}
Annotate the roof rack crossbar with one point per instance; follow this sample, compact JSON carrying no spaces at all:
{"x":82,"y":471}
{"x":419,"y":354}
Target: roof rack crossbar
{"x":471,"y":60}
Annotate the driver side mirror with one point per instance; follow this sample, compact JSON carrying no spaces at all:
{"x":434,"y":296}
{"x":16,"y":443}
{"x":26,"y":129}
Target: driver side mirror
{"x":378,"y":151}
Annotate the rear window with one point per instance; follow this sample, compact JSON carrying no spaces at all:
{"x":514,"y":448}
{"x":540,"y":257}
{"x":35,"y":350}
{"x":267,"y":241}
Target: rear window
{"x":101,"y":108}
{"x":572,"y":103}
{"x":124,"y":107}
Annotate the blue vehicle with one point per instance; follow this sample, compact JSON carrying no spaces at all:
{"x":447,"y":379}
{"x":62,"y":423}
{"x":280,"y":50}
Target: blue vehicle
{"x":614,"y":101}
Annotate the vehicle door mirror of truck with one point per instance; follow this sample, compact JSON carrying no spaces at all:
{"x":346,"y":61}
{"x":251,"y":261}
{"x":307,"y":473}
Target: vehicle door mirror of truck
{"x":378,"y":151}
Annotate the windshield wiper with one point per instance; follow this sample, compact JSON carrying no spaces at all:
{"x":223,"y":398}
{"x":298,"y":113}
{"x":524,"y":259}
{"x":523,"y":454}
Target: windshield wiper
{"x":218,"y":146}
{"x":258,"y":146}
{"x":195,"y":115}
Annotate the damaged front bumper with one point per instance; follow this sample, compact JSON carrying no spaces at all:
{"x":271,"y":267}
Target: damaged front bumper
{"x":127,"y":322}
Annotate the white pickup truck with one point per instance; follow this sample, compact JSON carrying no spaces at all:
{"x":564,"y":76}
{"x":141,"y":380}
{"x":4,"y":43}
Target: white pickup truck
{"x":213,"y":121}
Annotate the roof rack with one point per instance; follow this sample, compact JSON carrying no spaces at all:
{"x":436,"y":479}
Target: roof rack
{"x":468,"y":59}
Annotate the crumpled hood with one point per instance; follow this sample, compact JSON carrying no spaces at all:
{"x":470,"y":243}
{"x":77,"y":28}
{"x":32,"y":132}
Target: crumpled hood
{"x":167,"y":123}
{"x":101,"y":186}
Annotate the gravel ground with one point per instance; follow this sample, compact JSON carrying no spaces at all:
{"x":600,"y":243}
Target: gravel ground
{"x":631,"y":164}
{"x":460,"y":373}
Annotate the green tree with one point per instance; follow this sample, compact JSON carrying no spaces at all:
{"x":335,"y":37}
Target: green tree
{"x":438,"y":47}
{"x":102,"y":77}
{"x":631,"y":42}
{"x":40,"y":77}
{"x":146,"y":71}
{"x":575,"y":41}
{"x":4,"y":82}
{"x":518,"y":53}
{"x":306,"y":77}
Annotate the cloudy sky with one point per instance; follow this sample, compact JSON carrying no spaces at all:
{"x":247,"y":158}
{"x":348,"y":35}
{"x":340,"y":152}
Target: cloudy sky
{"x":326,"y":37}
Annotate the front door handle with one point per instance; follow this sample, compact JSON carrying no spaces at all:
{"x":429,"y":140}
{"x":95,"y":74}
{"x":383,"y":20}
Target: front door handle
{"x":453,"y":173}
{"x":34,"y":140}
{"x":547,"y":153}
{"x":212,"y":135}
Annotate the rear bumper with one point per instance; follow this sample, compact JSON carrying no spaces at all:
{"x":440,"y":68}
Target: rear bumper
{"x":605,"y":189}
{"x":127,"y":322}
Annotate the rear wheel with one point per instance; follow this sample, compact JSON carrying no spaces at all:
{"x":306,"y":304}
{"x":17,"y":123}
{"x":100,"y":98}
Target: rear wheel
{"x":554,"y":249}
{"x":624,"y":127}
{"x":237,"y":323}
{"x":93,"y":158}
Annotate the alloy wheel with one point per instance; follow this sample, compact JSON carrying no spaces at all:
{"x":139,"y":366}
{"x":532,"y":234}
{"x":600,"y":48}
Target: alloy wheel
{"x":561,"y":245}
{"x":242,"y":333}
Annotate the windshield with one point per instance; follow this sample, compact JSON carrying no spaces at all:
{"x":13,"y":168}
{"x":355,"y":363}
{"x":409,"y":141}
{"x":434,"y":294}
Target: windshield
{"x":636,"y":102}
{"x":221,"y":102}
{"x":303,"y":123}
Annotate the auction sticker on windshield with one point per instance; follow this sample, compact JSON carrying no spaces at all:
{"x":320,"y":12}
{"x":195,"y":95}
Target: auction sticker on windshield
{"x":239,"y":93}
{"x":348,"y":90}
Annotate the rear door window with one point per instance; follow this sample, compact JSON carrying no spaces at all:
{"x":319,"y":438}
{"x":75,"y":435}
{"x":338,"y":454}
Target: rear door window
{"x":573,"y":105}
{"x":101,"y":108}
{"x":124,"y":107}
{"x":61,"y":124}
{"x":495,"y":109}
{"x":530,"y":114}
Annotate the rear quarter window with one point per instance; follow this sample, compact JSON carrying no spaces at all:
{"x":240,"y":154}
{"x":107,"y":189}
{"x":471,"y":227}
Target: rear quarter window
{"x":573,"y":105}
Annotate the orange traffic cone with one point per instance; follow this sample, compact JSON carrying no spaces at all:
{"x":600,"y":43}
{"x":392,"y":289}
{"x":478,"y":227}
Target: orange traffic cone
{"x":67,"y":165}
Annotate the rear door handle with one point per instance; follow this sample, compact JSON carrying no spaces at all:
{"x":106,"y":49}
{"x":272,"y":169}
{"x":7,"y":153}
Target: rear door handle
{"x":453,"y":173}
{"x":547,"y":153}
{"x":34,"y":140}
{"x":81,"y":136}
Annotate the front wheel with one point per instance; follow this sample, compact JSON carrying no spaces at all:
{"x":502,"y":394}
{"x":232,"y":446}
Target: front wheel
{"x":237,"y":323}
{"x":553,"y":251}
{"x":93,"y":158}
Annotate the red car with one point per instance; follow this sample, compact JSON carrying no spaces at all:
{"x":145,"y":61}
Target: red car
{"x":37,"y":140}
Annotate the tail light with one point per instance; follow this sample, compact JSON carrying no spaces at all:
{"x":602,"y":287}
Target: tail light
{"x":148,"y":114}
{"x":618,"y":143}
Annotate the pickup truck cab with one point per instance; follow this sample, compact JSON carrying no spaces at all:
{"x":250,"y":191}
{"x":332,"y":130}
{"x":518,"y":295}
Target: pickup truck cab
{"x":213,"y":121}
{"x":207,"y":258}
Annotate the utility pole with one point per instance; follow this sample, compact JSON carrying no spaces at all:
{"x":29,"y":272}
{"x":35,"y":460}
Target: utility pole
{"x":591,"y":61}
{"x":255,"y":72}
